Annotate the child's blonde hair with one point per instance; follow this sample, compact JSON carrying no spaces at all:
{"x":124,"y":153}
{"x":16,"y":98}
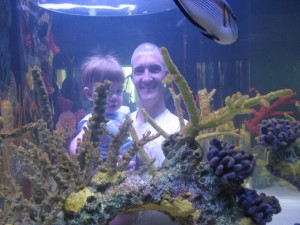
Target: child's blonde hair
{"x":99,"y":68}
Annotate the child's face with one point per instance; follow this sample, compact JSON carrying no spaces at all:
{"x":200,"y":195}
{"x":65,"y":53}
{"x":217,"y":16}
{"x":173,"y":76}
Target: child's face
{"x":115,"y":97}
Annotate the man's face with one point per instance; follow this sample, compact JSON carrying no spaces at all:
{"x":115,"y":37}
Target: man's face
{"x":148,"y":71}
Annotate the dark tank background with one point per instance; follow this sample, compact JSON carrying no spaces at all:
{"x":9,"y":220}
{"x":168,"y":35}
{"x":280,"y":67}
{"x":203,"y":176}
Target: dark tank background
{"x":265,"y":56}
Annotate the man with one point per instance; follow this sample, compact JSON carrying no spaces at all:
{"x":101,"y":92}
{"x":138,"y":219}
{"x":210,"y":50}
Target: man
{"x":148,"y":71}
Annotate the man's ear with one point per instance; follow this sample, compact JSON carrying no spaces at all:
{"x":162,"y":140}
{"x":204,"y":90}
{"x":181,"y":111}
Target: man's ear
{"x":88,"y":93}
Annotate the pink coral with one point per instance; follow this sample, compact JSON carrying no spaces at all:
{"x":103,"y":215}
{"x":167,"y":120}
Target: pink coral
{"x":67,"y":120}
{"x":64,"y":104}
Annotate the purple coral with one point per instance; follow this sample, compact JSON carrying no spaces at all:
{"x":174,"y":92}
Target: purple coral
{"x":260,"y":208}
{"x":278,"y":133}
{"x":229,"y":164}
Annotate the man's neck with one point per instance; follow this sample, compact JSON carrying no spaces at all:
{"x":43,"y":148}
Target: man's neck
{"x":153,"y":111}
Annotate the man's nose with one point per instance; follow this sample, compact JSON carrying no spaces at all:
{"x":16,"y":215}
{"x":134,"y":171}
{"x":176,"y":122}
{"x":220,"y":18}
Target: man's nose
{"x":147,"y":75}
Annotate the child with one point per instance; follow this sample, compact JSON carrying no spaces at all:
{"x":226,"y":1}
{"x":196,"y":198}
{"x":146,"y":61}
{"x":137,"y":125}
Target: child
{"x":98,"y":69}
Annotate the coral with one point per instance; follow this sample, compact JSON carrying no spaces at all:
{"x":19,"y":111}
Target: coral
{"x":260,"y":208}
{"x":278,"y":133}
{"x":98,"y":114}
{"x":229,"y":164}
{"x":238,"y":104}
{"x":286,"y":171}
{"x":66,"y":120}
{"x":42,"y":96}
{"x":64,"y":104}
{"x":185,"y":187}
{"x":46,"y":159}
{"x":205,"y":100}
{"x":76,"y":201}
{"x":279,"y":136}
{"x":268,"y":111}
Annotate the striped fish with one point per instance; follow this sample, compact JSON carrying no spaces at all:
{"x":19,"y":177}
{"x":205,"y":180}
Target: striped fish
{"x":214,"y":17}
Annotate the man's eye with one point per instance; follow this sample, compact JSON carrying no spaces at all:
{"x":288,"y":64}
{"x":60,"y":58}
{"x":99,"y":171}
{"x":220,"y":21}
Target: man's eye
{"x":138,"y":71}
{"x":154,"y":69}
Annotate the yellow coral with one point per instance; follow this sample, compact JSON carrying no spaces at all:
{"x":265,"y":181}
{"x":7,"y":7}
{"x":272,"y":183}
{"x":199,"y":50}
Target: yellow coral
{"x":76,"y":201}
{"x":292,"y":169}
{"x":247,"y":221}
{"x":177,"y":207}
{"x":110,"y":177}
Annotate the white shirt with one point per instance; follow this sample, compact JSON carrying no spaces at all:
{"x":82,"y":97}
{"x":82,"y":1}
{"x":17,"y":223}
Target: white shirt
{"x":168,"y":122}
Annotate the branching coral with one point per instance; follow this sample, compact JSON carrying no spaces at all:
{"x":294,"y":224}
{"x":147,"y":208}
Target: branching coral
{"x":268,"y":111}
{"x":238,"y":104}
{"x":185,"y":187}
{"x":45,"y":159}
{"x":41,"y":89}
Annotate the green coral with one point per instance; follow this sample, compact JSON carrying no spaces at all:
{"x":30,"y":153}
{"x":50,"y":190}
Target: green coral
{"x":237,"y":104}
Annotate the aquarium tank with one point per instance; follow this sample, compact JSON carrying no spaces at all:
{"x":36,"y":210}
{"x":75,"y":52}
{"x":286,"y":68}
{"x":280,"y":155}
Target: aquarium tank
{"x":231,"y":79}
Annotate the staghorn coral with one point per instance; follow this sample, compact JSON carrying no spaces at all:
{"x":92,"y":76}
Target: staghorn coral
{"x":205,"y":100}
{"x":238,"y":104}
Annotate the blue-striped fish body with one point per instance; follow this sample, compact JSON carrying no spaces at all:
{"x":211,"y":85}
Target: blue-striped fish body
{"x":214,"y":17}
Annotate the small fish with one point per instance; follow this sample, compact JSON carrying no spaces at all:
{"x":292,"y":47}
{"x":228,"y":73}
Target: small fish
{"x":214,"y":17}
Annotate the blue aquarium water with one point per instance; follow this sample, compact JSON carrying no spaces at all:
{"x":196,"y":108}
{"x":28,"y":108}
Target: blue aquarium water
{"x":234,"y":160}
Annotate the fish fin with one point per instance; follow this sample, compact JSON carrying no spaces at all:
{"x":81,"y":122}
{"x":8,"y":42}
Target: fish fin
{"x":210,"y":36}
{"x":180,"y":6}
{"x":227,"y":6}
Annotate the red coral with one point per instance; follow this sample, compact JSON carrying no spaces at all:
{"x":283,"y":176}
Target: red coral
{"x":53,"y":46}
{"x":265,"y":112}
